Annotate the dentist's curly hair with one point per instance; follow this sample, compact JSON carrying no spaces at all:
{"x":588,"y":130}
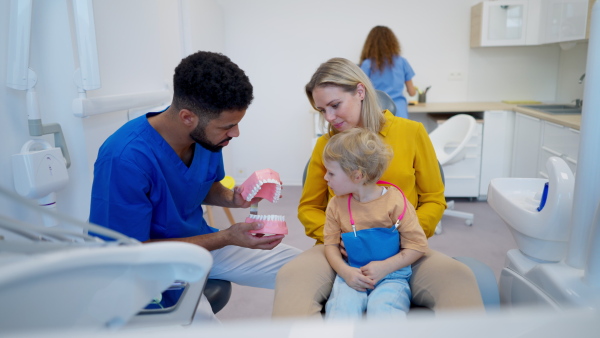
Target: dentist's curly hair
{"x":209,"y":83}
{"x":359,"y":149}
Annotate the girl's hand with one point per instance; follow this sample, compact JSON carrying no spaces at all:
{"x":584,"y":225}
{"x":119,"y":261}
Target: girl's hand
{"x":356,"y":280}
{"x":376,"y":270}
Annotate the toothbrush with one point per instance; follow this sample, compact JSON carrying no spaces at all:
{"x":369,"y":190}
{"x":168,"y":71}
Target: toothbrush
{"x":254,"y":209}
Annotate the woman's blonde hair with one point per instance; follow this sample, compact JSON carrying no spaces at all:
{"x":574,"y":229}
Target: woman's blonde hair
{"x":381,"y":46}
{"x":359,"y":149}
{"x":346,"y":75}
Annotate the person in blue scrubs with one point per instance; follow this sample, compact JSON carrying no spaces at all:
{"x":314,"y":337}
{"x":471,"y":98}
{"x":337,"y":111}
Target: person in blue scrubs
{"x":389,"y":72}
{"x":154,"y":173}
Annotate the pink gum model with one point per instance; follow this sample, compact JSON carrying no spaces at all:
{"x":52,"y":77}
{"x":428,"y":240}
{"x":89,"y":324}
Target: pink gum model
{"x":262,"y":183}
{"x":273,"y":224}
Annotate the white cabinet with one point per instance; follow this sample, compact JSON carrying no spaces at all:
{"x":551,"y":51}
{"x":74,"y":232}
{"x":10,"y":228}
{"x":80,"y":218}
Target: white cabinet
{"x":496,"y":148}
{"x":526,"y":146}
{"x":535,"y":141}
{"x":559,"y":141}
{"x":529,"y":22}
{"x":499,"y":23}
{"x":563,"y":20}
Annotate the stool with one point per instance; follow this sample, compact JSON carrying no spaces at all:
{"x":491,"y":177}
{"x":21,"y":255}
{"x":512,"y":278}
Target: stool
{"x":217,"y":292}
{"x":228,"y":182}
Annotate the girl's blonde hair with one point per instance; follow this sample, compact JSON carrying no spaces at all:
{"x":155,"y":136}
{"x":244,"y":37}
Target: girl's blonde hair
{"x":359,"y":149}
{"x":346,"y":75}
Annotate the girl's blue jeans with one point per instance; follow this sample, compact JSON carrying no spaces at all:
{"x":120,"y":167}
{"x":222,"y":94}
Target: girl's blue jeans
{"x":390,"y":298}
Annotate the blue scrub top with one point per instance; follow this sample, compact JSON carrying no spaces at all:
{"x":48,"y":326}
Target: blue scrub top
{"x":144,"y":190}
{"x":391,"y":81}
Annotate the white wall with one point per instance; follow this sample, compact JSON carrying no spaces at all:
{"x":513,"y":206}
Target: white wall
{"x":281,"y":43}
{"x":572,"y":66}
{"x":139,"y":44}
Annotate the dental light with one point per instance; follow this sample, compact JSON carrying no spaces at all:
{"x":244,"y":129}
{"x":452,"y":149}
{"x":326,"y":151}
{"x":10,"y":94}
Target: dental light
{"x":18,"y":74}
{"x":87,"y":76}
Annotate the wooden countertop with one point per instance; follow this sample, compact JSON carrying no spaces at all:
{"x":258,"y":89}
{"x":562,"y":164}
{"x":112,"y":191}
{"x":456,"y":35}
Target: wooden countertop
{"x":567,"y":120}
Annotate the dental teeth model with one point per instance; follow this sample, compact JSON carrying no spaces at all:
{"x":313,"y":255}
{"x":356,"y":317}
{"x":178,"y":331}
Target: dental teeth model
{"x":262,"y":183}
{"x":273,"y":224}
{"x":267,"y":185}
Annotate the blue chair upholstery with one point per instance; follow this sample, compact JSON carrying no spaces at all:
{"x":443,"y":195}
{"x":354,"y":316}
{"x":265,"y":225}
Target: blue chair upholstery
{"x":486,"y":280}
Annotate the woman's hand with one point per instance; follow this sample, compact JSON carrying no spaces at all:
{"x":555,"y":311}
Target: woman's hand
{"x":343,"y":250}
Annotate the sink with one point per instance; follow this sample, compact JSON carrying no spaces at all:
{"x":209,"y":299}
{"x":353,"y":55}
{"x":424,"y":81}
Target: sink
{"x":563,"y":111}
{"x":554,"y":108}
{"x":542,"y":234}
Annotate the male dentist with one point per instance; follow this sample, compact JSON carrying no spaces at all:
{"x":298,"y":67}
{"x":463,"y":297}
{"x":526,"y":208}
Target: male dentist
{"x":153,"y":174}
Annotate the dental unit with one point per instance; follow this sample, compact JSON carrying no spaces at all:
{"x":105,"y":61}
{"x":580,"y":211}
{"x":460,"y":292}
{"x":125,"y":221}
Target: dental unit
{"x":37,"y":158}
{"x":556,"y":221}
{"x":68,"y":278}
{"x":266,"y":184}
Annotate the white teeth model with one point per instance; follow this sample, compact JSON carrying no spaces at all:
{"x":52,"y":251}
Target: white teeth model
{"x":272,"y":224}
{"x":259,"y":185}
{"x":262,"y":183}
{"x":267,"y":218}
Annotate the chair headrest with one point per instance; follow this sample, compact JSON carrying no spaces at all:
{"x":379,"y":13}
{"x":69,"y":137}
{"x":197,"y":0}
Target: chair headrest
{"x":385,"y":101}
{"x":456,"y":131}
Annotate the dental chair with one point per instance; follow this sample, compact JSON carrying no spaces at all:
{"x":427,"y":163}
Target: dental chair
{"x":52,"y":278}
{"x":385,"y":101}
{"x":449,"y":142}
{"x":456,"y":132}
{"x":486,"y":280}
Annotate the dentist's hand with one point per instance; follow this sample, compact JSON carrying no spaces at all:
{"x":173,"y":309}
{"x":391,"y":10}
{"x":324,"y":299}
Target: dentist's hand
{"x":239,"y":201}
{"x":239,"y":235}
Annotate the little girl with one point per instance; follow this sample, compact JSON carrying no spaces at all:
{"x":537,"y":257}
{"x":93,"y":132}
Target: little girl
{"x":377,"y":225}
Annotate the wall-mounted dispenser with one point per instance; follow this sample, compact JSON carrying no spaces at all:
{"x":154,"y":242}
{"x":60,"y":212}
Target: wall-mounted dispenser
{"x":40,"y":170}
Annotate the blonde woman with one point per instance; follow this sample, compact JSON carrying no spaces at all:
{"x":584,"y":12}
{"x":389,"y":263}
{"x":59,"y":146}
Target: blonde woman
{"x":343,"y":94}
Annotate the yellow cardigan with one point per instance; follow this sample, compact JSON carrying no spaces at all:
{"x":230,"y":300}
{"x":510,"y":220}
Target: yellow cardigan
{"x":414,"y":169}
